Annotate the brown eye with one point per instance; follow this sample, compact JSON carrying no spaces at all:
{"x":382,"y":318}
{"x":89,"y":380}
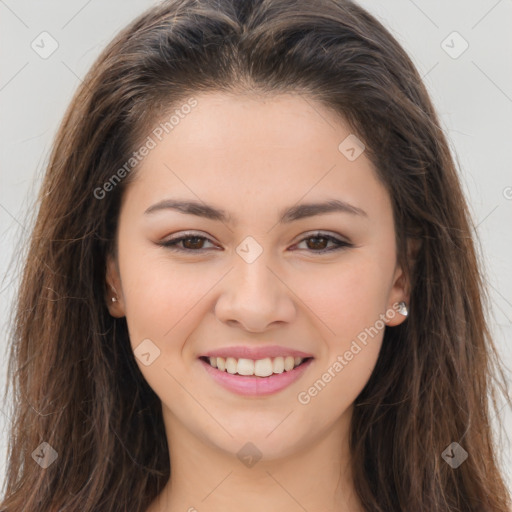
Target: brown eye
{"x":197,"y":242}
{"x":319,"y":243}
{"x":191,"y":243}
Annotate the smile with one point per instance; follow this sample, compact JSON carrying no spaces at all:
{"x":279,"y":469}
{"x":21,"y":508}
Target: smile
{"x":255,"y":377}
{"x":260,"y":368}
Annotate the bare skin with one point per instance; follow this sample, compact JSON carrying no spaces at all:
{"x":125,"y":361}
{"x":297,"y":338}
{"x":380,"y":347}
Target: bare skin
{"x":253,"y":157}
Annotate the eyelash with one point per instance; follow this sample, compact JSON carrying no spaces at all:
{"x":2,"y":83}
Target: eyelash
{"x":172,"y":244}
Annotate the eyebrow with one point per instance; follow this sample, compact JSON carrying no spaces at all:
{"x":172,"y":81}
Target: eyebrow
{"x":287,"y":215}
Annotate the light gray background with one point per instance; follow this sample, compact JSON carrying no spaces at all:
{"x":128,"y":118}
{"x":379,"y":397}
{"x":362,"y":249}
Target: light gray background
{"x":473,"y":95}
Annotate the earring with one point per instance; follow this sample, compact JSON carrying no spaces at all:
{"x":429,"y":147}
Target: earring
{"x":402,"y":308}
{"x":113,"y":299}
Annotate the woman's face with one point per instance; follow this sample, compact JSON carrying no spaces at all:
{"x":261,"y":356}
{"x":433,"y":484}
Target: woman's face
{"x":251,"y":282}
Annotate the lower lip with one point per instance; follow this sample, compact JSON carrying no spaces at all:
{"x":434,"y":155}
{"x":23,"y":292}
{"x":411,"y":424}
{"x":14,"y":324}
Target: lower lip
{"x":256,"y":386}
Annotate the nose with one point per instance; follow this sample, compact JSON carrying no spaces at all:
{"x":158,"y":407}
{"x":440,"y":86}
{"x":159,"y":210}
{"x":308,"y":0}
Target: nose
{"x":254,"y":296}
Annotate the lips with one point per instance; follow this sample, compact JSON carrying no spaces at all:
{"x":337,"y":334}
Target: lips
{"x":253,"y":385}
{"x":255,"y":371}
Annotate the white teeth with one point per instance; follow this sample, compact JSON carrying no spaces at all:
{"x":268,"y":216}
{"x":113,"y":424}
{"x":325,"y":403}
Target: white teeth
{"x":263,"y":367}
{"x":245,"y":367}
{"x":289,"y":363}
{"x":279,"y":365}
{"x":260,"y":368}
{"x":231,"y":365}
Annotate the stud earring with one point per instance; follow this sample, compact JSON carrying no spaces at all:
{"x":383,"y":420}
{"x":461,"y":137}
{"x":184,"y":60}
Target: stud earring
{"x":402,"y":308}
{"x":113,"y":299}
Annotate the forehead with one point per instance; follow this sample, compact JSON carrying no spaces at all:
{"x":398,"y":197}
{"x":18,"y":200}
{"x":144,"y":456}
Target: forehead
{"x":242,"y":121}
{"x":256,"y":150}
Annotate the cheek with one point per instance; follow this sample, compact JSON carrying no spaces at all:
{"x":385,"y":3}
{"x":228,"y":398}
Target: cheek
{"x":159,"y":296}
{"x":348,"y":296}
{"x":349,"y":302}
{"x":163,"y":305}
{"x":350,"y":306}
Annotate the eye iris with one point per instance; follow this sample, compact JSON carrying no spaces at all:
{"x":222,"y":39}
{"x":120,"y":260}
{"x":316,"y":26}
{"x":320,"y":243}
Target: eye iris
{"x":198,"y":245}
{"x":315,"y":244}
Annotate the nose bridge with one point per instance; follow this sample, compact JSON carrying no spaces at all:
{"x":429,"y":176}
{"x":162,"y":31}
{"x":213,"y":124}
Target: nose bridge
{"x":251,"y":273}
{"x":253,"y":295}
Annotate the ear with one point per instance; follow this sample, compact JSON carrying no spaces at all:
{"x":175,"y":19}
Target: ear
{"x":114,"y":289}
{"x":401,"y":289}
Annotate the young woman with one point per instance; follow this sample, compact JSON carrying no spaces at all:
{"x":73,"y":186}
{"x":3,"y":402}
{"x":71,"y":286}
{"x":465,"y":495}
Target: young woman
{"x":252,"y":283}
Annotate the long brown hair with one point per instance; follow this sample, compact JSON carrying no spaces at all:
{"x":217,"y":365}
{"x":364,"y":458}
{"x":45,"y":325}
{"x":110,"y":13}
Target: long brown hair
{"x":75,"y":383}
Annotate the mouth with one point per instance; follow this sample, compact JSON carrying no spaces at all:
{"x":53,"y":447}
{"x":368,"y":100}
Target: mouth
{"x":255,"y":377}
{"x":255,"y":368}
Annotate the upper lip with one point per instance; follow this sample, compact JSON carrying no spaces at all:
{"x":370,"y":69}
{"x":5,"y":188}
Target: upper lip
{"x":256,"y":353}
